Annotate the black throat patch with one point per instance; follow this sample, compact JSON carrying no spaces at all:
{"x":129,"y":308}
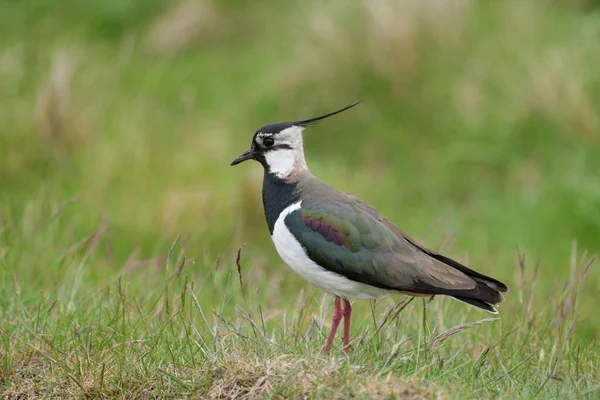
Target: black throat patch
{"x":277,"y":196}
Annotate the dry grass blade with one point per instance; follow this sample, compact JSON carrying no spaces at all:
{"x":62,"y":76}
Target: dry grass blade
{"x":64,"y":205}
{"x":437,"y":341}
{"x":393,"y":313}
{"x":217,"y":262}
{"x":91,"y":242}
{"x":239,"y":268}
{"x":172,"y":248}
{"x":254,"y":325}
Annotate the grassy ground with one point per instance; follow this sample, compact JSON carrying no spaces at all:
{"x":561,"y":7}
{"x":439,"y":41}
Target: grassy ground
{"x":121,"y":220}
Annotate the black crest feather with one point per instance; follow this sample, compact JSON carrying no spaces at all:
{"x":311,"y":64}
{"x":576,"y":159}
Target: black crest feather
{"x":312,"y":121}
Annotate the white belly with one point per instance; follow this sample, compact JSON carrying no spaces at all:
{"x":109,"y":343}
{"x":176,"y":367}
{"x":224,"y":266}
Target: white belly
{"x":293,"y":254}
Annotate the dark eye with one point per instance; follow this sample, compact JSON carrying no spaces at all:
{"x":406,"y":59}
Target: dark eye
{"x":268,"y":141}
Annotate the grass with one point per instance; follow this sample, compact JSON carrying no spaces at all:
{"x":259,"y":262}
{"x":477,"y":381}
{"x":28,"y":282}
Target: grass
{"x":134,"y":263}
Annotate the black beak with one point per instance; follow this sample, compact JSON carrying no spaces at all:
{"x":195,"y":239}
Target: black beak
{"x":247,"y":155}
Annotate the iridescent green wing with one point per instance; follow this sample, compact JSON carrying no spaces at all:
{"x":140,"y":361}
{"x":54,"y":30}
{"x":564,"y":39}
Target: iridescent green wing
{"x":342,"y":238}
{"x":352,"y":239}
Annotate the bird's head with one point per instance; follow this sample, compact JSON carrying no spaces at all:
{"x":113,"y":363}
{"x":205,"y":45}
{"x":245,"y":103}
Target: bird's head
{"x":278,"y":147}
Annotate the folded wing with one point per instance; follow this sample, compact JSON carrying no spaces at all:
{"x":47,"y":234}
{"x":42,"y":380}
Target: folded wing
{"x":352,"y":239}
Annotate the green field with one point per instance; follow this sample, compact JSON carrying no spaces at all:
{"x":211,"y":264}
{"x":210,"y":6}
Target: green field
{"x":121,"y":219}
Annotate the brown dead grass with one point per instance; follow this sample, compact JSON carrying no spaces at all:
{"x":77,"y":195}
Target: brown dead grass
{"x":182,"y":25}
{"x":235,"y":376}
{"x":53,"y":107}
{"x":559,"y":91}
{"x":250,"y":377}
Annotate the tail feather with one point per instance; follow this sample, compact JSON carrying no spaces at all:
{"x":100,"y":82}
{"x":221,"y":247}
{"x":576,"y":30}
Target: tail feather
{"x":486,"y":280}
{"x":483,"y":292}
{"x":490,"y":282}
{"x":487,"y":292}
{"x":477,"y":303}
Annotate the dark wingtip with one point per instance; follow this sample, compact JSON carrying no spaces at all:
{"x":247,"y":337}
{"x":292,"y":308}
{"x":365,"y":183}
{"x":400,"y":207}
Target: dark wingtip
{"x":503,"y":288}
{"x":477,"y":303}
{"x":312,"y":121}
{"x":494,"y":284}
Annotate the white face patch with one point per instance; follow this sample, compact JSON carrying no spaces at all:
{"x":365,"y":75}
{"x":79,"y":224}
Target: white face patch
{"x":290,"y":156}
{"x":281,"y":162}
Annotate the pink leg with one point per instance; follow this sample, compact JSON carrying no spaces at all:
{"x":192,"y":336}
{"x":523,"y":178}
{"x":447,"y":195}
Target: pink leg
{"x":337,"y":317}
{"x":347,"y":312}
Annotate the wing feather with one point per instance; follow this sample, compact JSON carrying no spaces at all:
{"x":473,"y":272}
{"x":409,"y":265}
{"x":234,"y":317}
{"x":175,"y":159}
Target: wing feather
{"x":352,"y":239}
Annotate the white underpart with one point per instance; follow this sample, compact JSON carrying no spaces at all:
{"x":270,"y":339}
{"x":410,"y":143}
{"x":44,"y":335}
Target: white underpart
{"x":294,"y":255}
{"x":282,"y":162}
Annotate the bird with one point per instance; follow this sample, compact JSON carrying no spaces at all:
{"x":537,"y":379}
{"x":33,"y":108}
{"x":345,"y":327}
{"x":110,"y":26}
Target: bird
{"x":344,"y":246}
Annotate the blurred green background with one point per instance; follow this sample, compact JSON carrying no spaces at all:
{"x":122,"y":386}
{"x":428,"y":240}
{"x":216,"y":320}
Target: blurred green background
{"x":478,"y":132}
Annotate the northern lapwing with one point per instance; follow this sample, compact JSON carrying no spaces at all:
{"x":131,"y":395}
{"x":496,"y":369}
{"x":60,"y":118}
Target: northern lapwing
{"x":341,"y":244}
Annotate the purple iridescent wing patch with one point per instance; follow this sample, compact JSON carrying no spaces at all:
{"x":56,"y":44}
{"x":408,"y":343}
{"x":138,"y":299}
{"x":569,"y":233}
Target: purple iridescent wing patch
{"x":331,"y":228}
{"x":326,"y":228}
